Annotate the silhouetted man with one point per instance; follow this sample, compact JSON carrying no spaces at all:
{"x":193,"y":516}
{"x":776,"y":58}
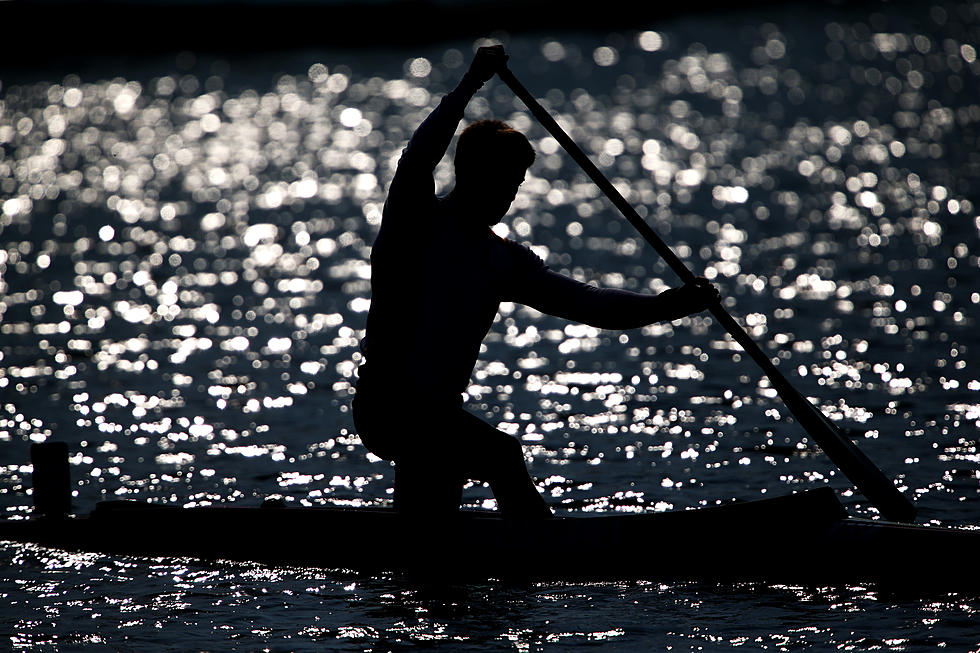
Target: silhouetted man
{"x":438,"y":274}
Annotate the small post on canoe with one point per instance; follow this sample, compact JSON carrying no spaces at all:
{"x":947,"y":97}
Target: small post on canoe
{"x":51,"y":479}
{"x":870,"y":480}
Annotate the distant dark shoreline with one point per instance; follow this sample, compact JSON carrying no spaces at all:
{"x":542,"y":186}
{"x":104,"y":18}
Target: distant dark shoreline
{"x":59,"y":31}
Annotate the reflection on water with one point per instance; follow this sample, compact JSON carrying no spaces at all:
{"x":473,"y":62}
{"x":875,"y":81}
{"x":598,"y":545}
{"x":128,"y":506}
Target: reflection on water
{"x":198,"y":605}
{"x":184,"y":279}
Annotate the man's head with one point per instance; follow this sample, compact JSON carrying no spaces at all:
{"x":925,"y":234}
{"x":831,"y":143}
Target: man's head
{"x":491,"y":162}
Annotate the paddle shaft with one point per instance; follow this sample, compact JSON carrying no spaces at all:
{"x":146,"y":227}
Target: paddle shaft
{"x":852,"y":462}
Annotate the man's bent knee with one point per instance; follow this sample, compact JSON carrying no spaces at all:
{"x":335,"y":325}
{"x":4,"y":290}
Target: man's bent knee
{"x":510,"y":449}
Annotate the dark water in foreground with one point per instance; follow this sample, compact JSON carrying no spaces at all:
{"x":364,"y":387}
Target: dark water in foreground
{"x":184,"y":279}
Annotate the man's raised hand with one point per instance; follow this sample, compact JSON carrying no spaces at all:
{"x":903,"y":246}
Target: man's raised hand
{"x":487,"y":61}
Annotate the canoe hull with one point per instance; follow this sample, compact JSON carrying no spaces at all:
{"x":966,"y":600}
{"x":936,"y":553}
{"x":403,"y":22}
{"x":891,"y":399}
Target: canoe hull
{"x":801,"y":538}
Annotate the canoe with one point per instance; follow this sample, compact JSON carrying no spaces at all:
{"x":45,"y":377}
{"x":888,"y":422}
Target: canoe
{"x":802,"y":538}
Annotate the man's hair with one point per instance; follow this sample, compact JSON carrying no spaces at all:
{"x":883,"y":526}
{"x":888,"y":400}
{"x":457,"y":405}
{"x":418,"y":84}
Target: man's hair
{"x":491,"y":145}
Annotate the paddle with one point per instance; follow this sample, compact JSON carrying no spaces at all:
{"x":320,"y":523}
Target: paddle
{"x":857,"y":467}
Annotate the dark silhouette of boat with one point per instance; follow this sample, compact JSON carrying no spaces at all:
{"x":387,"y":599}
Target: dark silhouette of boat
{"x":803,"y":538}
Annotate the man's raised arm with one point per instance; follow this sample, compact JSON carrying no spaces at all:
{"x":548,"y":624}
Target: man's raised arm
{"x":431,"y":139}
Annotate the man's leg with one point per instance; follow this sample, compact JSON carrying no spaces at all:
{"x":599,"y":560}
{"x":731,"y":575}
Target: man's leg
{"x":493,"y":456}
{"x":426,"y":479}
{"x":427,"y":484}
{"x":433,"y":461}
